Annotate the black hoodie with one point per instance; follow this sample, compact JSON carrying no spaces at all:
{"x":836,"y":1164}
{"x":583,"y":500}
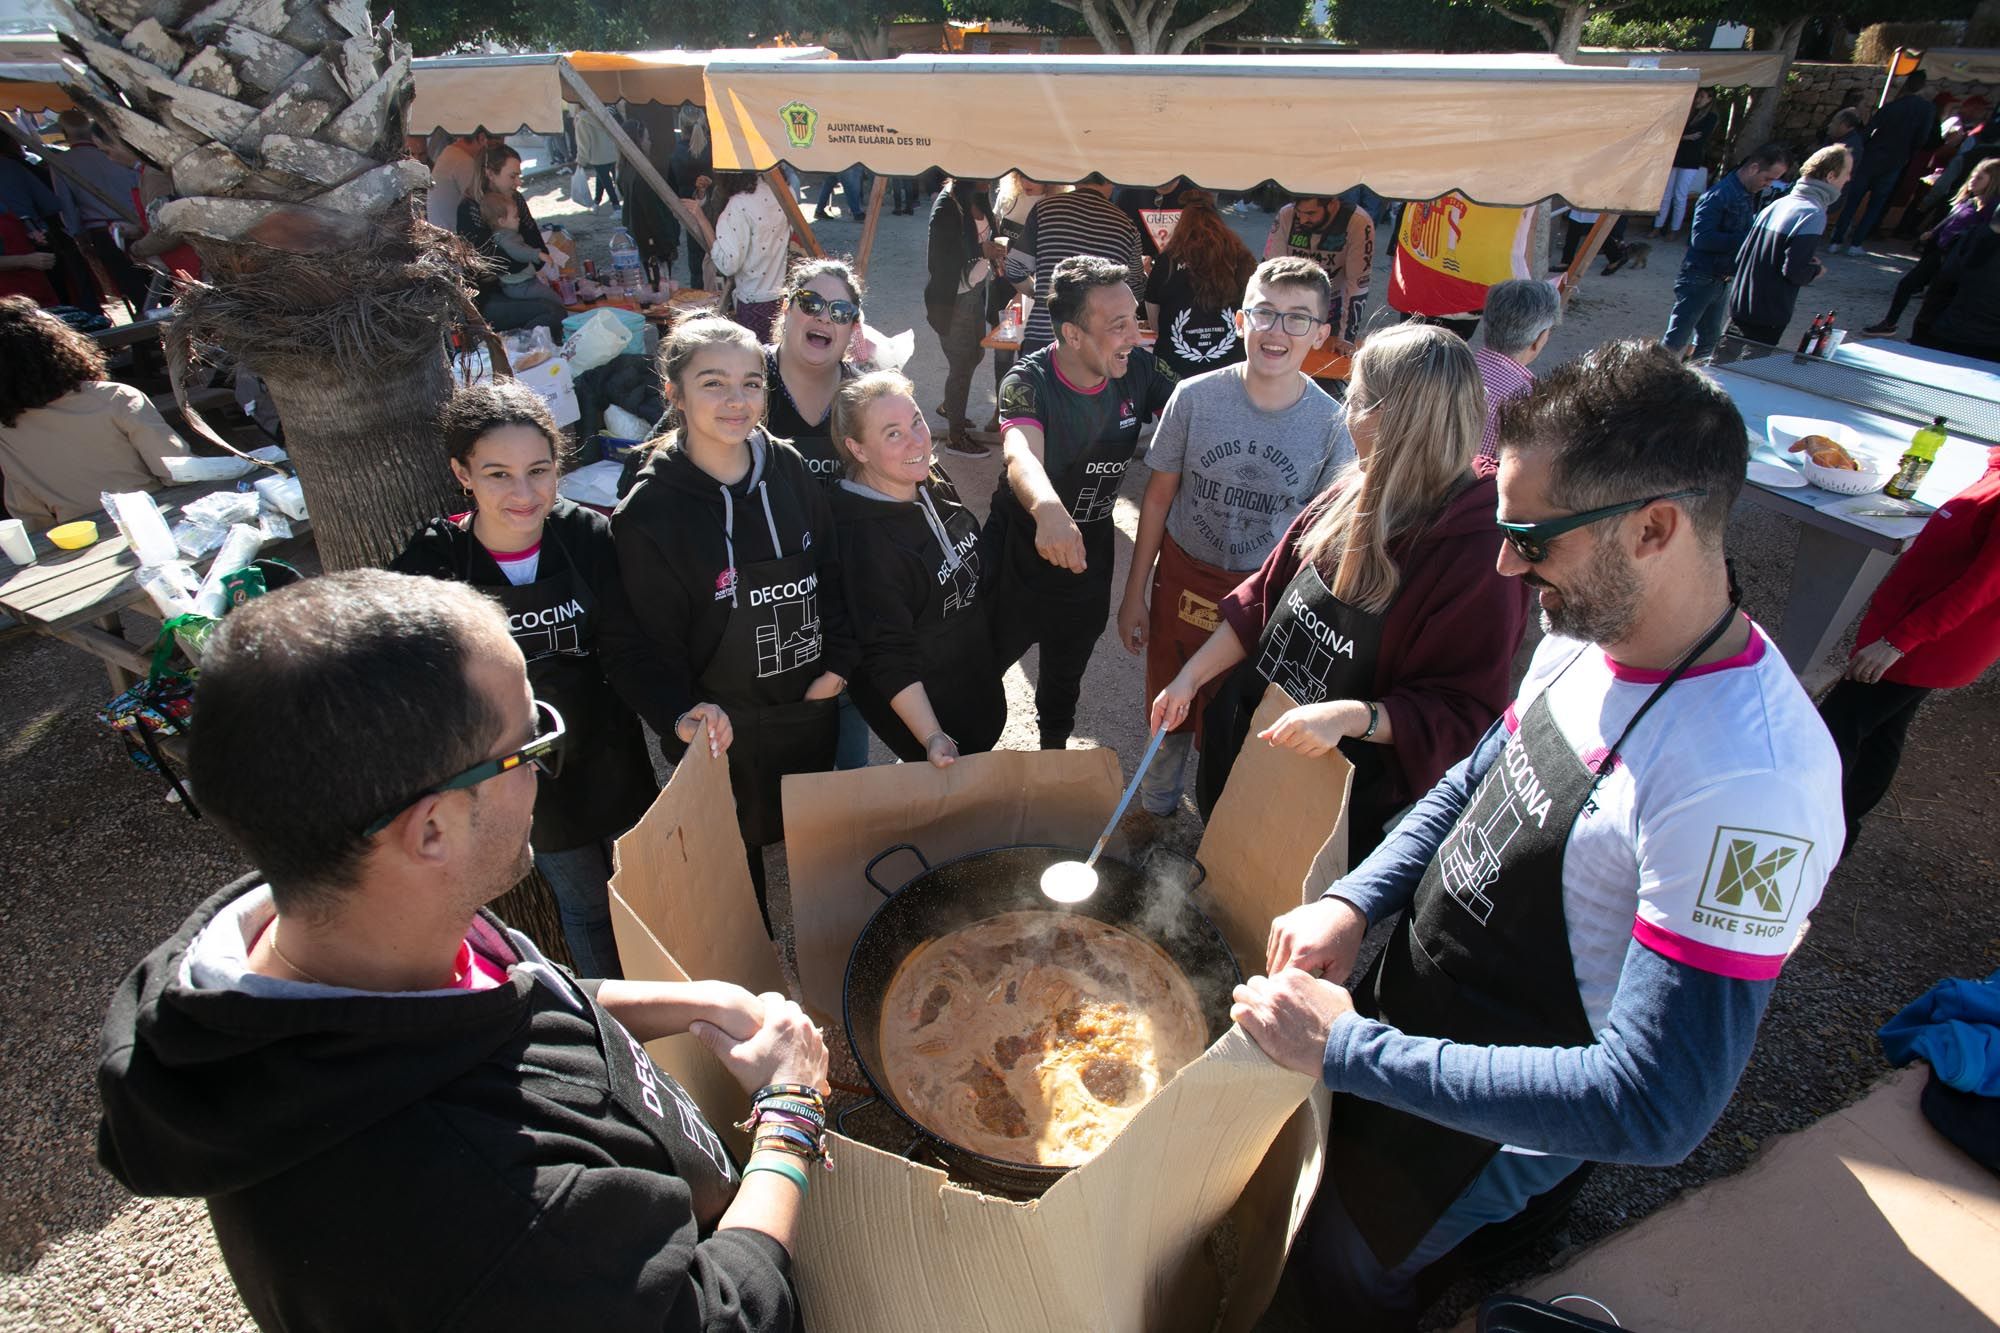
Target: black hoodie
{"x":674,"y":544}
{"x":506,"y":1158}
{"x":910,"y":600}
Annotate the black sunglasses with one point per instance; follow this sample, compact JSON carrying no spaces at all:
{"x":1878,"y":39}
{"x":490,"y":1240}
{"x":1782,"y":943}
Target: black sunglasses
{"x":1531,"y":540}
{"x":812,"y":303}
{"x":545,"y":752}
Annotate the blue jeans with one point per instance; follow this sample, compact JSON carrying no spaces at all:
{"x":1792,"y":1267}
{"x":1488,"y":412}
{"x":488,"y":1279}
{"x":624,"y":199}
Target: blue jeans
{"x":1337,"y":1270}
{"x":851,"y":750}
{"x":581,"y":879}
{"x":850,"y":182}
{"x":1701,"y":307}
{"x":1878,"y":189}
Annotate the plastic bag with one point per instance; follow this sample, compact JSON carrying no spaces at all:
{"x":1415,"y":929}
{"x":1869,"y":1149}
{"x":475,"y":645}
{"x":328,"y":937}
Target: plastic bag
{"x":222,"y":508}
{"x":624,"y":425}
{"x":873,"y":349}
{"x":527,"y":348}
{"x":184,"y":468}
{"x":579,"y":187}
{"x":196,"y":539}
{"x":172,"y":587}
{"x":285,"y":495}
{"x":142,"y":525}
{"x":238,"y":550}
{"x":599,"y":338}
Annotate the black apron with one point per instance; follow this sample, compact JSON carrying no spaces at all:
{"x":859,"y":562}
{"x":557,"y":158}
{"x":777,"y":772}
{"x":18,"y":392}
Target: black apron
{"x":607,"y":776}
{"x":962,"y":681}
{"x":770,"y":652}
{"x":1088,"y":489}
{"x":1482,"y":957}
{"x":1318,"y":648}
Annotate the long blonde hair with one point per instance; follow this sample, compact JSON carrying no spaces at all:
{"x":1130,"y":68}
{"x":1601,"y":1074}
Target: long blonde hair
{"x":1991,"y":167}
{"x":1420,"y":387}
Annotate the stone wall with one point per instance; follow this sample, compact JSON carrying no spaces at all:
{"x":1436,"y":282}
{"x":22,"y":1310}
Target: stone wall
{"x":1815,"y":91}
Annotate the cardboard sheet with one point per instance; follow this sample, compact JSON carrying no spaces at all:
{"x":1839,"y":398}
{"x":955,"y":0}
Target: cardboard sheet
{"x":1280,"y":825}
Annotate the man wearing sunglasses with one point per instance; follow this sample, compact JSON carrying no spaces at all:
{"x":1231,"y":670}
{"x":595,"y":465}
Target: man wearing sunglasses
{"x":1597,"y":902}
{"x":402,"y":1115}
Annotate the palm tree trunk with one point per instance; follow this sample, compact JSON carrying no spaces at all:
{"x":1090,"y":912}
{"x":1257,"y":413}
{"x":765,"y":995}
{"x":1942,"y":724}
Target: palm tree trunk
{"x":367,"y":452}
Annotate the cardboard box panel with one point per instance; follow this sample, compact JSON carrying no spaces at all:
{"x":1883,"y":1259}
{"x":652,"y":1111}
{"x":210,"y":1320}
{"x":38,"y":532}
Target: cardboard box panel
{"x":1107,"y":1248}
{"x":1281,"y":822}
{"x":889,"y":1245}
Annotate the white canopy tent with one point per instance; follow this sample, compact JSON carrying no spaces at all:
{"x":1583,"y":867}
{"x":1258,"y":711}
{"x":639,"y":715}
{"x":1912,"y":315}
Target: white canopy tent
{"x":509,"y":94}
{"x":1500,"y":129}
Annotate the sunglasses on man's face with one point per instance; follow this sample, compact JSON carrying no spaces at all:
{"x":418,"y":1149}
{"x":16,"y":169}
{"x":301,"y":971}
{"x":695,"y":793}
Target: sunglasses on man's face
{"x":1531,"y":540}
{"x":812,"y":303}
{"x":544,"y":753}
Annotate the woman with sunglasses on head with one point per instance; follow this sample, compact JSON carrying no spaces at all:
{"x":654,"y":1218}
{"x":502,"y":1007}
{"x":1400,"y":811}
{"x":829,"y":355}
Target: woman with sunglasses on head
{"x":732,"y":574}
{"x":804,"y":369}
{"x":553,"y":567}
{"x":928,"y":682}
{"x":1380,"y":612}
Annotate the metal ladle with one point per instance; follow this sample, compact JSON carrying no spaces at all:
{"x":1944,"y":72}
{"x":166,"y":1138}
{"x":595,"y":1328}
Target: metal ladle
{"x":1074,"y":881}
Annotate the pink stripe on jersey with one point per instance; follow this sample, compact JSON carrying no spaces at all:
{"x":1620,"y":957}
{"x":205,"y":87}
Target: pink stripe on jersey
{"x":1512,"y":720}
{"x":1008,"y":423}
{"x":1057,"y":368}
{"x":1706,"y":957}
{"x":1752,"y":654}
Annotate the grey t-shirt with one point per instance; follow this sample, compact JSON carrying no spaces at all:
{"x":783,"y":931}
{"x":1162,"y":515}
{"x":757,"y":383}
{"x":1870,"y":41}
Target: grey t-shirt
{"x":1245,"y":473}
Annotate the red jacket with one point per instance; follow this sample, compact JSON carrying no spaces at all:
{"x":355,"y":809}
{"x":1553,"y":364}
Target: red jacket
{"x":1443,"y":672}
{"x":1940,"y":605}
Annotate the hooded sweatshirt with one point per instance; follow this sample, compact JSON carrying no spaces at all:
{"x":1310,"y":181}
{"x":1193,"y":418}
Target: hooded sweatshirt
{"x":912,"y":570}
{"x":1777,"y":256}
{"x":679,"y":532}
{"x":1442,"y":672}
{"x":465,"y":1159}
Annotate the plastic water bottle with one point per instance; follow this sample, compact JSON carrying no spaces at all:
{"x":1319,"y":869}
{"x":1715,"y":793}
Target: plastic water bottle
{"x":625,"y":271}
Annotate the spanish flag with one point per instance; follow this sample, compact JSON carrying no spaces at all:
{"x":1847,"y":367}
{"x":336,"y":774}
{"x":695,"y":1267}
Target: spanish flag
{"x":1450,"y":250}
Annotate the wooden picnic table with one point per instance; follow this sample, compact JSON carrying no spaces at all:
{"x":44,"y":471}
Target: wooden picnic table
{"x":76,"y":596}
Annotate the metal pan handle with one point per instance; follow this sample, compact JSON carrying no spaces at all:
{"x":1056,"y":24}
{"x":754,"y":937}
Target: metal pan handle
{"x":908,"y":1151}
{"x":868,"y":871}
{"x":1183,"y":866}
{"x":840,"y":1116}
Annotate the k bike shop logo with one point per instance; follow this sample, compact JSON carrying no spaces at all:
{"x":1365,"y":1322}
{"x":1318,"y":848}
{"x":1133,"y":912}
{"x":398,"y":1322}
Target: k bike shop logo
{"x":801,"y":123}
{"x":1752,"y":883}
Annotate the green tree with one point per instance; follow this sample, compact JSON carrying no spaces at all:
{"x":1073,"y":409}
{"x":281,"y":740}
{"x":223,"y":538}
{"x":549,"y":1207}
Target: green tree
{"x":1146,"y":27}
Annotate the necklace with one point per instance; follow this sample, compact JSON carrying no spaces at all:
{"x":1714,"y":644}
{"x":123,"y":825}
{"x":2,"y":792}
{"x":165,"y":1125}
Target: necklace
{"x":289,"y":963}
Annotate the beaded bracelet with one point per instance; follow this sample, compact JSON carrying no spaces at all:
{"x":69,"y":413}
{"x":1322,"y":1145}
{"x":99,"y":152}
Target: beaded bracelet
{"x":785,"y":1169}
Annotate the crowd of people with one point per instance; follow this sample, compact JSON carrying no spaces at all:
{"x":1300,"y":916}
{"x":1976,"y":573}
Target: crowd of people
{"x":790,"y":573}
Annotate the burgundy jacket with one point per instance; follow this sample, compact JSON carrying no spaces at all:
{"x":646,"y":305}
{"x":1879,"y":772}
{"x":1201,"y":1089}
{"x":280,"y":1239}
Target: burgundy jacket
{"x":1444,"y":668}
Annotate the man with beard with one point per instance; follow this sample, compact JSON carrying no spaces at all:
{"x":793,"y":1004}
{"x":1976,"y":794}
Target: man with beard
{"x":1599,"y":898}
{"x":400,"y":1113}
{"x":1340,"y":238}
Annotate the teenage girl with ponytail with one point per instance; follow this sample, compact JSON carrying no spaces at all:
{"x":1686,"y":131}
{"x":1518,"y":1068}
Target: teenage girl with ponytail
{"x":1381,"y":612}
{"x":727,"y":549}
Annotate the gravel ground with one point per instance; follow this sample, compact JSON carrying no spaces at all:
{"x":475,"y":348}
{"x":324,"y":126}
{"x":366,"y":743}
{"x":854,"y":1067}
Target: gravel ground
{"x":104,"y":868}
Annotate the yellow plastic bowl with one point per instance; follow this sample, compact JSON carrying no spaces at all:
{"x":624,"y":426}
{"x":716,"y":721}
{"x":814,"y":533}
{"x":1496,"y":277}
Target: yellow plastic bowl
{"x":74,"y":536}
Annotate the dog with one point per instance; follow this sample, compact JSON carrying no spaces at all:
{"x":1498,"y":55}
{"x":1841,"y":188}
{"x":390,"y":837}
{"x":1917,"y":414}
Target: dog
{"x":1634,"y":255}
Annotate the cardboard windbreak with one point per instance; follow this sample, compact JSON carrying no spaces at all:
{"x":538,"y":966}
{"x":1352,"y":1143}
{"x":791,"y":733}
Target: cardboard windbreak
{"x":892,"y":1246}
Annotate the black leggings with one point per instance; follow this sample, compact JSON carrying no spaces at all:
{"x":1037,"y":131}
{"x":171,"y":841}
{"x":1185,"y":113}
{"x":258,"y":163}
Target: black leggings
{"x":1918,"y":278}
{"x":1868,"y":724}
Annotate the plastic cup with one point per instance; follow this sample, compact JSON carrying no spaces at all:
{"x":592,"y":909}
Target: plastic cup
{"x":1834,"y":338}
{"x":14,"y":542}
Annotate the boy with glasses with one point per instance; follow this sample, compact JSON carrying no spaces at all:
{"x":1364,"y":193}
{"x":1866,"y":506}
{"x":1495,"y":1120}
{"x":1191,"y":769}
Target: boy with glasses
{"x":1238,"y":453}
